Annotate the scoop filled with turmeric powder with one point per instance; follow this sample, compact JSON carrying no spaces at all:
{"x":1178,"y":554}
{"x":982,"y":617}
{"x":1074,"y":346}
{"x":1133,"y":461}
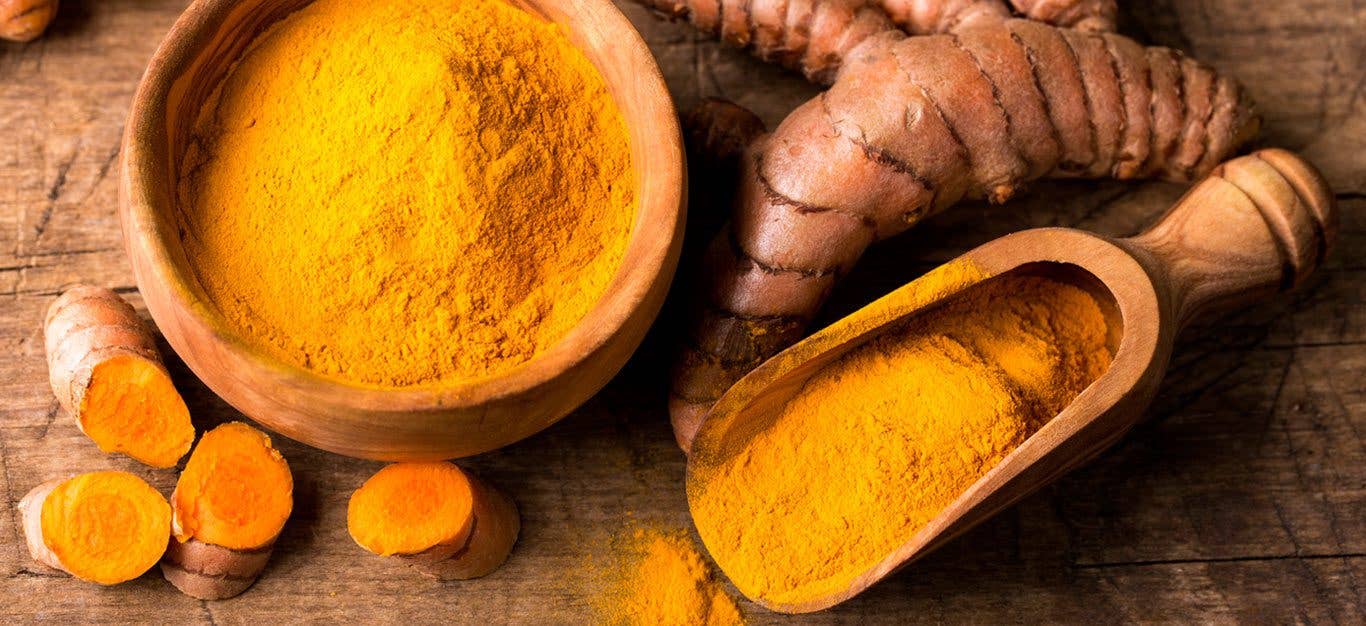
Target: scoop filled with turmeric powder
{"x":874,"y":445}
{"x":876,"y":440}
{"x":407,"y":194}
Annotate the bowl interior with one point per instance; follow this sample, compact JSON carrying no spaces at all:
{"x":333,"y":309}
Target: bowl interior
{"x":214,"y":33}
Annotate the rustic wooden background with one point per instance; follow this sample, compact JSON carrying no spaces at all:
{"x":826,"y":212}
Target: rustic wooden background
{"x":1243,"y":499}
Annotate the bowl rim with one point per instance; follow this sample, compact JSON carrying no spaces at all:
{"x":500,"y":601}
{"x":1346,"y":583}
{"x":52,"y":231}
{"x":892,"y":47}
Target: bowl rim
{"x":658,"y":222}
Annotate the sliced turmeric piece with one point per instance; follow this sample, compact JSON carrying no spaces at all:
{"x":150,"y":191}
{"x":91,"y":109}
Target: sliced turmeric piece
{"x":443,"y":521}
{"x":104,"y":527}
{"x":407,"y":508}
{"x":104,"y":369}
{"x":25,"y":20}
{"x":236,"y":490}
{"x":230,"y":504}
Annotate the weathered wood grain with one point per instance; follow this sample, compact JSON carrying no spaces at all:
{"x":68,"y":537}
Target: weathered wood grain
{"x":1242,"y":499}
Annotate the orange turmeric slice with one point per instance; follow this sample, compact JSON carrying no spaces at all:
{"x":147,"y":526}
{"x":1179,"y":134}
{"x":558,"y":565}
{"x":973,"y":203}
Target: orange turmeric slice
{"x":131,"y":407}
{"x":407,"y":508}
{"x":104,"y":367}
{"x":104,"y":527}
{"x":236,"y":490}
{"x":440,"y":520}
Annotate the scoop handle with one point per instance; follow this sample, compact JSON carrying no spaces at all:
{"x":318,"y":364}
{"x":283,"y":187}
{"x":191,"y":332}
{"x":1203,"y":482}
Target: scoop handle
{"x":1256,"y":226}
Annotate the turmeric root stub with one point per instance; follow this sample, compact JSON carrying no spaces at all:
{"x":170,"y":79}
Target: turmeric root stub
{"x":407,"y":194}
{"x":875,"y":445}
{"x":447,"y":523}
{"x":105,"y":370}
{"x":230,"y":504}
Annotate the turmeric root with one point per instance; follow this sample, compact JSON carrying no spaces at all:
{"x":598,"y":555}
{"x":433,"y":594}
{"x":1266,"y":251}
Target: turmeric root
{"x":930,"y":17}
{"x":444,"y":522}
{"x":1088,"y":15}
{"x":104,"y":527}
{"x":912,"y":126}
{"x":809,"y":36}
{"x":230,"y":504}
{"x":25,"y":20}
{"x":104,"y":368}
{"x":719,"y":132}
{"x":815,"y":36}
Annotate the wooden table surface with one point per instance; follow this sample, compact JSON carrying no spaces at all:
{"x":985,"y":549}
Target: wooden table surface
{"x":1242,"y":499}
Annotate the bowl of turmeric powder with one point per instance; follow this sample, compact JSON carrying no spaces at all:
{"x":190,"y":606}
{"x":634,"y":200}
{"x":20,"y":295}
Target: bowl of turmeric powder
{"x":403,"y":231}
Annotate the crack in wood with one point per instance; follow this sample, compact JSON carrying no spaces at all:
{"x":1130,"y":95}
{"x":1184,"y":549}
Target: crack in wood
{"x":73,"y":252}
{"x":1221,"y":559}
{"x":54,"y":192}
{"x":15,"y":518}
{"x":28,"y":573}
{"x":52,"y":410}
{"x":208,"y":613}
{"x":52,"y":293}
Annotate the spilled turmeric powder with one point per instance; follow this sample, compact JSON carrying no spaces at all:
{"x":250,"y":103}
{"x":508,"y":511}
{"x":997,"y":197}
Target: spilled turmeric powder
{"x":876,"y":444}
{"x":659,"y":579}
{"x":408,"y":193}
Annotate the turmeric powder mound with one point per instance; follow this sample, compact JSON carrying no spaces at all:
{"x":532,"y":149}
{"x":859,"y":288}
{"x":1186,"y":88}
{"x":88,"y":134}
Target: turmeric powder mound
{"x":236,"y":490}
{"x":661,"y":580}
{"x":407,"y":508}
{"x":105,"y":527}
{"x":875,"y":445}
{"x":408,"y":193}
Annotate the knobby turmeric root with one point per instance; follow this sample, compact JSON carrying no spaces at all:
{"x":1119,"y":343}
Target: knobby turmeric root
{"x":815,"y":36}
{"x":444,"y":522}
{"x":104,"y":527}
{"x":104,"y":368}
{"x":25,"y":20}
{"x":1087,"y":15}
{"x":229,"y":505}
{"x":912,"y":126}
{"x":719,"y":132}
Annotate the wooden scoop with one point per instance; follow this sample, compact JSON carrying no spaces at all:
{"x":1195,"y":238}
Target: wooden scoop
{"x":1255,"y":227}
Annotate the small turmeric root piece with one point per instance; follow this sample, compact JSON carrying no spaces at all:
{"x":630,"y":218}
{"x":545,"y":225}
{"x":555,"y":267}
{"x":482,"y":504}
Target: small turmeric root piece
{"x":809,"y":36}
{"x":103,"y":527}
{"x":104,"y":368}
{"x":719,"y":132}
{"x":814,"y":37}
{"x":230,"y":504}
{"x":932,"y":17}
{"x":442,"y":521}
{"x":25,"y":20}
{"x":1087,"y":15}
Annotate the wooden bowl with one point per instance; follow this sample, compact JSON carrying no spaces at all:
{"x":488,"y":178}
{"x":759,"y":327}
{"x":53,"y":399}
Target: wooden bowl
{"x":448,"y":421}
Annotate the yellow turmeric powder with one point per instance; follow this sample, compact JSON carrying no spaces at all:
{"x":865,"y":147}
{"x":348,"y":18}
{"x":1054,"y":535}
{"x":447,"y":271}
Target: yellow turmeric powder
{"x":661,"y":580}
{"x":875,"y":445}
{"x":408,"y":193}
